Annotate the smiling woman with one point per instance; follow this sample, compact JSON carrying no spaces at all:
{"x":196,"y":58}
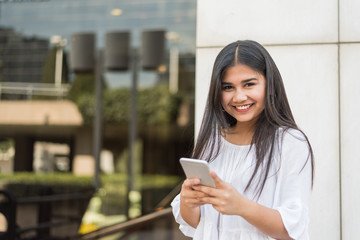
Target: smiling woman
{"x":261,"y":163}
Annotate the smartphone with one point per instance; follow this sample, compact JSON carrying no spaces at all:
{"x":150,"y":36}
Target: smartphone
{"x":196,"y":168}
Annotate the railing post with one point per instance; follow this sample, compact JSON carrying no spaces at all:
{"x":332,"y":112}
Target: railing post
{"x":44,"y":212}
{"x":29,"y":92}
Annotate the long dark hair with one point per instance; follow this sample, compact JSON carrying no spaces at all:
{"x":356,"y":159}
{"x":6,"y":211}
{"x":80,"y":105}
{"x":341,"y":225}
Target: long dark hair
{"x":276,"y":114}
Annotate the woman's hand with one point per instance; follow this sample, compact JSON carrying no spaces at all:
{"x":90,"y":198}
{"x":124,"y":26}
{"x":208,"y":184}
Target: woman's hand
{"x":189,"y":196}
{"x":224,"y":198}
{"x":227,"y":200}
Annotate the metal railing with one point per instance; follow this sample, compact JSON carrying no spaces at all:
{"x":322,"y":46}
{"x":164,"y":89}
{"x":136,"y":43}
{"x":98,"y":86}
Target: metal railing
{"x":163,"y":212}
{"x":31,"y":89}
{"x":128,"y":226}
{"x":162,"y":216}
{"x":9,"y":204}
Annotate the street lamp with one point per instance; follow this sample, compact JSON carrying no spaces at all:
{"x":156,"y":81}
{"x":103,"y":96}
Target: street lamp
{"x":150,"y":57}
{"x":84,"y":59}
{"x":117,"y":58}
{"x":60,"y":43}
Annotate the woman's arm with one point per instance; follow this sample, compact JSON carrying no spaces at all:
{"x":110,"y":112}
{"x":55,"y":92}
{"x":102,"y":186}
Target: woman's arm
{"x":265,"y":219}
{"x":190,"y":215}
{"x":190,"y":202}
{"x":227,"y":200}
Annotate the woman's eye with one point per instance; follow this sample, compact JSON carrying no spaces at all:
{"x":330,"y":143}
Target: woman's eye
{"x":249,"y":84}
{"x":227,"y":87}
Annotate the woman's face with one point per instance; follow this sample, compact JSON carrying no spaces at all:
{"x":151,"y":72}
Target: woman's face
{"x":243,"y":93}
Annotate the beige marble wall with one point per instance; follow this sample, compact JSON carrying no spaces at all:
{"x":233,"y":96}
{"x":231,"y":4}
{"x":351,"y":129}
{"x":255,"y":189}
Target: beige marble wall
{"x":316,"y":45}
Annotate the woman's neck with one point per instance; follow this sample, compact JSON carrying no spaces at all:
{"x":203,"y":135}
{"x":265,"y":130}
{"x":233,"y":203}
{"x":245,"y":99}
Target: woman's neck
{"x":240,"y":134}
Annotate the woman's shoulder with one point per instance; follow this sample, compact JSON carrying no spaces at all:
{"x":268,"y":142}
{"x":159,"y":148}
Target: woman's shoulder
{"x":295,"y":150}
{"x":291,"y":134}
{"x":293,"y":142}
{"x":293,"y":139}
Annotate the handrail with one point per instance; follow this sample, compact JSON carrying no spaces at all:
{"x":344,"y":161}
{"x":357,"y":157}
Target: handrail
{"x":126,"y":226}
{"x":169,"y":197}
{"x":44,"y":89}
{"x":162,"y":211}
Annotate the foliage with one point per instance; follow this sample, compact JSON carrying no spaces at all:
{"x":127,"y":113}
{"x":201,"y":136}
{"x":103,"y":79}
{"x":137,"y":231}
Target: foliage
{"x":83,"y":84}
{"x":29,"y":184}
{"x":6,"y":144}
{"x":116,"y":106}
{"x":155,"y":106}
{"x":144,"y":181}
{"x":25,"y":184}
{"x":141,"y":181}
{"x":86,"y":105}
{"x":45,"y":178}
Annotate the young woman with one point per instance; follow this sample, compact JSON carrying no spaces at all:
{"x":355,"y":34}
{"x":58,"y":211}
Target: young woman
{"x":261,"y":162}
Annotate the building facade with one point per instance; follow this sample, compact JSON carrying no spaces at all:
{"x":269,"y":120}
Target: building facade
{"x":316,"y":45}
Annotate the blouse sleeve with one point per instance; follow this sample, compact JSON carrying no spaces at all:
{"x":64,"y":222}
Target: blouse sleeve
{"x":293,"y":188}
{"x":185,"y":228}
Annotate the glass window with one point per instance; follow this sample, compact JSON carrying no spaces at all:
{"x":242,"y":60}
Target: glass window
{"x":36,"y":45}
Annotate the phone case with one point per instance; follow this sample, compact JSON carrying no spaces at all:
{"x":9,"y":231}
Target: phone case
{"x":195,"y":168}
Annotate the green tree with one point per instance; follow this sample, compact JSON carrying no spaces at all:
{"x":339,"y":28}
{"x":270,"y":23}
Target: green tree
{"x":155,"y":105}
{"x":83,"y":84}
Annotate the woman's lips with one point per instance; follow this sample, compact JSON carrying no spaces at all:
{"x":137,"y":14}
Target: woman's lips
{"x":243,"y":108}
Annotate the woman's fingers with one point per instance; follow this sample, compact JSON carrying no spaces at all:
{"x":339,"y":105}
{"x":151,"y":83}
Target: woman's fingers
{"x":188,"y":189}
{"x":193,"y":194}
{"x":210,"y":190}
{"x":224,"y":198}
{"x":190,"y":182}
{"x":218,"y":182}
{"x":189,"y":195}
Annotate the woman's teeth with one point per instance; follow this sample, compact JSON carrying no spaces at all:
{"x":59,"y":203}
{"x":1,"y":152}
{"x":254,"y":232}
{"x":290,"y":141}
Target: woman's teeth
{"x":243,"y":107}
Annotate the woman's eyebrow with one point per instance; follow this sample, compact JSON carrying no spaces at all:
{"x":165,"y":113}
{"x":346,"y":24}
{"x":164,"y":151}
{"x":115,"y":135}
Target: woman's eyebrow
{"x":249,"y":80}
{"x":242,"y":81}
{"x":225,"y":83}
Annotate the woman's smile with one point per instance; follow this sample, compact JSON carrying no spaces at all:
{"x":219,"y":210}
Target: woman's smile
{"x":244,"y":108}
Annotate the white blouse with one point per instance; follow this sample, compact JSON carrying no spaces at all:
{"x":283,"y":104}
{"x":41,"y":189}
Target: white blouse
{"x":287,"y":189}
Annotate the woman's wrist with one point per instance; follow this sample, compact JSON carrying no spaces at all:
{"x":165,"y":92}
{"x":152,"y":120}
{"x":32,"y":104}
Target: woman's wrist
{"x":191,"y":215}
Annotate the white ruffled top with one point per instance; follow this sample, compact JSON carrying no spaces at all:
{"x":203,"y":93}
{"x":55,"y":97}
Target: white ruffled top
{"x":287,"y":190}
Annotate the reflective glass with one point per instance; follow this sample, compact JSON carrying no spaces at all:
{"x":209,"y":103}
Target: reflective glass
{"x":36,"y":47}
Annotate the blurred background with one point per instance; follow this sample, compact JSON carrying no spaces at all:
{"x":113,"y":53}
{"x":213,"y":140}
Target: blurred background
{"x":96,"y":108}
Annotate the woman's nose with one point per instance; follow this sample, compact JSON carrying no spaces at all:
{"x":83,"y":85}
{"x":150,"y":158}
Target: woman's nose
{"x":239,"y":96}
